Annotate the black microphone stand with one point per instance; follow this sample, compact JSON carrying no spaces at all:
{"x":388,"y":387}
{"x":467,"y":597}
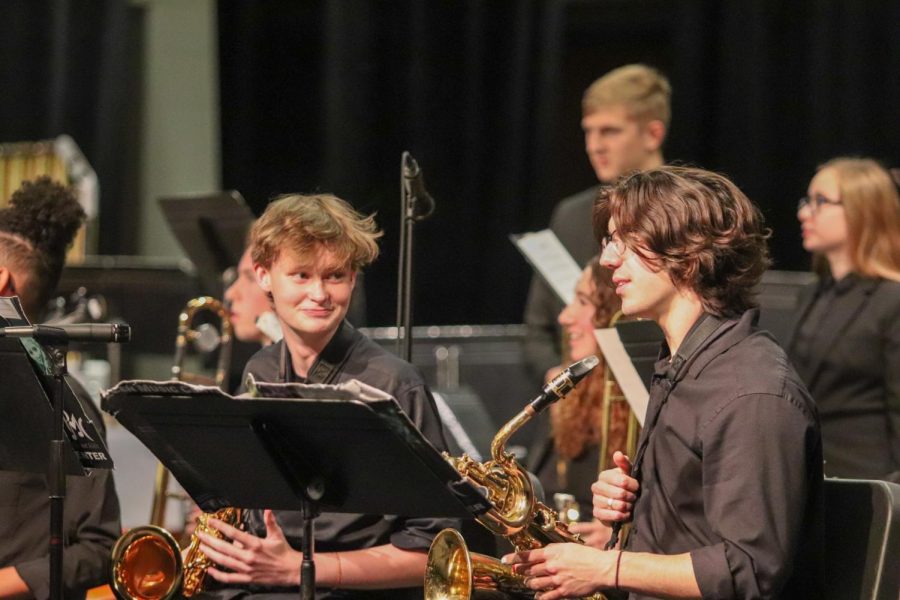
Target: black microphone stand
{"x":415,"y":205}
{"x":57,"y":347}
{"x":55,"y":342}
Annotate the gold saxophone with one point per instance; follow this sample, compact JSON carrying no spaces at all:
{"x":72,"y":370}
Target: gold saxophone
{"x":147,"y":563}
{"x":454,"y":573}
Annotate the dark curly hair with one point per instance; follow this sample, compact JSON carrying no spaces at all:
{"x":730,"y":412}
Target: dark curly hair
{"x":695,"y":225}
{"x":36,"y":229}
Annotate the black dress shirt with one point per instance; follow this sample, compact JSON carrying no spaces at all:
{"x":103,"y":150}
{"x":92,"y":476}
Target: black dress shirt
{"x":91,"y":524}
{"x":351,"y":355}
{"x":732,"y":471}
{"x":846,"y":347}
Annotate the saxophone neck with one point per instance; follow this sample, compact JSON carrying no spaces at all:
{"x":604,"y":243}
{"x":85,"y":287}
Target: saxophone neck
{"x":498,"y":444}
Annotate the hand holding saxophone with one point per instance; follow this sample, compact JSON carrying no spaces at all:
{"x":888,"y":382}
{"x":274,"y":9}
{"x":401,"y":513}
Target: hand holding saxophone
{"x":565,"y":570}
{"x":593,"y":533}
{"x":615,"y":492}
{"x":251,"y":559}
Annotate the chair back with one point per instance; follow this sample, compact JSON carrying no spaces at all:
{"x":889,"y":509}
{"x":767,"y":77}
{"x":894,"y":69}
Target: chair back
{"x":862,"y":539}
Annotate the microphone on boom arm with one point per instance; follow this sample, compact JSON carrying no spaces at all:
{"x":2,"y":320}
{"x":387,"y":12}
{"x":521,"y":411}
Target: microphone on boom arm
{"x":109,"y":333}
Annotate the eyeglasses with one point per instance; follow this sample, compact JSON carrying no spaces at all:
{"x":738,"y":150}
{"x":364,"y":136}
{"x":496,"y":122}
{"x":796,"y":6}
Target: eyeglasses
{"x":614,"y":243}
{"x":815,"y":203}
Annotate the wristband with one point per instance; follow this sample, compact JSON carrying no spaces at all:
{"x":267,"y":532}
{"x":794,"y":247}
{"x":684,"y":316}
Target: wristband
{"x":618,"y":563}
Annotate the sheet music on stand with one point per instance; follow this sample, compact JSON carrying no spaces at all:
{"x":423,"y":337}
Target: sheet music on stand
{"x":630,"y":350}
{"x":551,"y":260}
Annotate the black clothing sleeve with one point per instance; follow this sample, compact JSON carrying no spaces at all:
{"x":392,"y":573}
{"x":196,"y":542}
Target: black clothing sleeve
{"x":92,"y":528}
{"x":542,"y":344}
{"x":573,"y":224}
{"x":91,"y":524}
{"x":756,"y":463}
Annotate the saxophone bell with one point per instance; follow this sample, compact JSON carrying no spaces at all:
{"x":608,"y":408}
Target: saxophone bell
{"x":455,"y":573}
{"x":149,"y":566}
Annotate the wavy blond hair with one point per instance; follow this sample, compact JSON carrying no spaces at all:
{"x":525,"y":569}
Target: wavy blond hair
{"x":872,"y":209}
{"x":642,"y":90}
{"x":305,"y":223}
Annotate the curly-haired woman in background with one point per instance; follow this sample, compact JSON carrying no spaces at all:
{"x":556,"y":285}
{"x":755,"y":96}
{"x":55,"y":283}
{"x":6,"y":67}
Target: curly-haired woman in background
{"x":568,"y":460}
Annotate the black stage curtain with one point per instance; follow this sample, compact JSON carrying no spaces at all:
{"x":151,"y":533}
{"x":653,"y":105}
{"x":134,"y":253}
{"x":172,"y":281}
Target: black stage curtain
{"x":73,"y":66}
{"x":324,"y":95}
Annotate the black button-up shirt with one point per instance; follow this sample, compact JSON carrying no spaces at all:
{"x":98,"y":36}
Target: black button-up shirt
{"x":351,"y":355}
{"x":91,"y":523}
{"x":732,"y":472}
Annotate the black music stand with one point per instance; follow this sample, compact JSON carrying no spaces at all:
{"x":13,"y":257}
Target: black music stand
{"x":642,"y":340}
{"x":211,"y":229}
{"x":32,"y":423}
{"x":294,"y":452}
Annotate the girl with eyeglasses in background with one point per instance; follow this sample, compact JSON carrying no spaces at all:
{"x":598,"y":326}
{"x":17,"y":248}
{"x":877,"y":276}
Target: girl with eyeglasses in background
{"x":846,"y":341}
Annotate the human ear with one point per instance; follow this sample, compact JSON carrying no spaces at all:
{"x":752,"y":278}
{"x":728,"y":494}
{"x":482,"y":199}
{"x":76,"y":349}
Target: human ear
{"x":654,"y":134}
{"x":6,"y":284}
{"x":263,"y":278}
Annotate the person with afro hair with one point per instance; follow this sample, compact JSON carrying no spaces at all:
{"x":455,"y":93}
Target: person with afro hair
{"x":36,"y":228}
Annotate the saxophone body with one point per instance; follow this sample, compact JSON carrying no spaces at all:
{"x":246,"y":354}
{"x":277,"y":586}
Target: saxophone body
{"x":454,"y":573}
{"x":515,"y":512}
{"x":196,"y":562}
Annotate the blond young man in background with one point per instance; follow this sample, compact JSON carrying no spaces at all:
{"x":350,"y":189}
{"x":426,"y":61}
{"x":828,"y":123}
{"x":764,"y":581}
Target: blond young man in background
{"x":625,"y":118}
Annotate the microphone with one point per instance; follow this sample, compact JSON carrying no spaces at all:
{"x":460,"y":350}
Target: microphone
{"x":414,"y":184}
{"x":558,"y":387}
{"x":110,"y":333}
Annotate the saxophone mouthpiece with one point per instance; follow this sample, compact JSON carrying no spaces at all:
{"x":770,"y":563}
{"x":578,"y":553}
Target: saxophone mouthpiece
{"x":558,"y":387}
{"x":583,"y":367}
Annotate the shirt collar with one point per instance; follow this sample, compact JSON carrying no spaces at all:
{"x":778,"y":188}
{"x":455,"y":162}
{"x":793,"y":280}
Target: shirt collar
{"x":330,"y":359}
{"x":841,"y":286}
{"x":730,"y":332}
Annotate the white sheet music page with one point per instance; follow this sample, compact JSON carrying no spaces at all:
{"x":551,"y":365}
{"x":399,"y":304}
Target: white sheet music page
{"x":623,"y":369}
{"x":552,"y":261}
{"x":11,"y":310}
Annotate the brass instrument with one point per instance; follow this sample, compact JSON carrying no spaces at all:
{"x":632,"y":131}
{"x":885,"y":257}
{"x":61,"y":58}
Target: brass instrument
{"x":454,"y":573}
{"x":567,"y":506}
{"x":147,"y":563}
{"x":205,"y":338}
{"x":611,"y":396}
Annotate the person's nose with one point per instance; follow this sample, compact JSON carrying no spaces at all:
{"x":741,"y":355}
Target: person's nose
{"x":593,"y":142}
{"x":565,"y":316}
{"x":317,"y":290}
{"x":610,"y":258}
{"x":231,"y":292}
